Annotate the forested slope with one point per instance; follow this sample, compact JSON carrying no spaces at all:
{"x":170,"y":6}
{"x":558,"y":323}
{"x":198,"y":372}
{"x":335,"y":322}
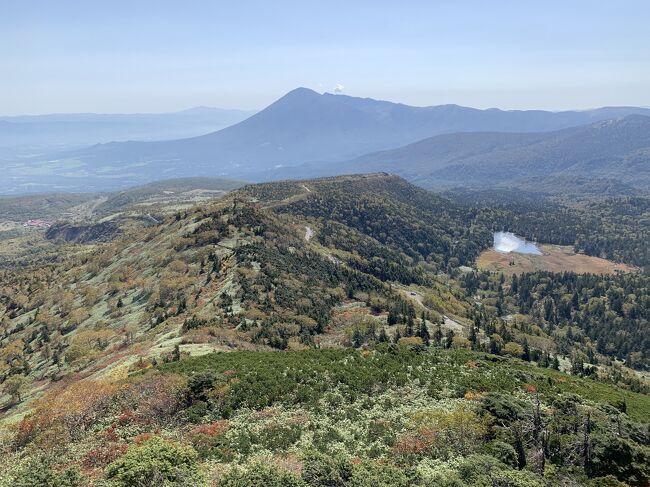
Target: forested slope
{"x":107,"y":354}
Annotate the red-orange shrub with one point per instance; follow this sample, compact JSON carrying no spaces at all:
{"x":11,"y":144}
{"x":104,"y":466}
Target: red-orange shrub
{"x":212,"y":429}
{"x":159,"y":397}
{"x":103,"y":455}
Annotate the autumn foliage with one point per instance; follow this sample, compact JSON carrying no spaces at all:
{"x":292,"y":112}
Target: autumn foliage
{"x":65,"y":413}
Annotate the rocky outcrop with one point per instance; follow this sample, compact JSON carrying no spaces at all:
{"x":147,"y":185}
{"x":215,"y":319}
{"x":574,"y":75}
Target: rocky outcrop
{"x":83,"y":233}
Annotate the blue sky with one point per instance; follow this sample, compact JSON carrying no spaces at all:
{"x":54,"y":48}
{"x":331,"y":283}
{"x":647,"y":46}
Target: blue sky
{"x":156,"y":56}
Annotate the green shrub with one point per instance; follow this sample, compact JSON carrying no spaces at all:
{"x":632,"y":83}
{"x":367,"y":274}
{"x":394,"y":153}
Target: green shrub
{"x":71,"y":478}
{"x":240,"y":442}
{"x":620,"y":457}
{"x":503,"y":452}
{"x":36,"y":474}
{"x":278,"y":436}
{"x":323,"y":438}
{"x":321,"y":470}
{"x":373,"y":474}
{"x":381,"y":431}
{"x":155,"y":462}
{"x":261,"y":476}
{"x":447,"y":479}
{"x":487,"y":471}
{"x":196,"y":412}
{"x":608,"y":481}
{"x":39,"y":473}
{"x":476,"y":465}
{"x":511,"y":478}
{"x":198,"y":385}
{"x":503,"y":406}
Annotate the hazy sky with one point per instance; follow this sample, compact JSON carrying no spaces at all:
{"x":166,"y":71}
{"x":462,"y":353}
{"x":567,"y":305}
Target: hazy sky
{"x":158,"y":55}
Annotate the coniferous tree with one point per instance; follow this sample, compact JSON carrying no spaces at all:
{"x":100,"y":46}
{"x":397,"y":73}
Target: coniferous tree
{"x":544,"y":360}
{"x":472,"y":337}
{"x":437,"y":335}
{"x":383,"y":336}
{"x":357,"y":339}
{"x":450,"y":339}
{"x":556,"y":363}
{"x":577,"y":367}
{"x":409,"y":328}
{"x":176,"y":354}
{"x":423,"y":332}
{"x":392,"y":317}
{"x":397,"y":336}
{"x":526,"y":354}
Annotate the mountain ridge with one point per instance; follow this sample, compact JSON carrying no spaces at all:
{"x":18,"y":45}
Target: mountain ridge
{"x":302,"y":126}
{"x":618,"y":149}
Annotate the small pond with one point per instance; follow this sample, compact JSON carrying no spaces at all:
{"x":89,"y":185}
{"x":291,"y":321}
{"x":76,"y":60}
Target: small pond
{"x":507,"y":242}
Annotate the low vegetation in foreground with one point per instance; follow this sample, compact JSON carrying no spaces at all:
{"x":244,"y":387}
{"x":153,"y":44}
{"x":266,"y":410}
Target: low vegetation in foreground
{"x":395,"y":415}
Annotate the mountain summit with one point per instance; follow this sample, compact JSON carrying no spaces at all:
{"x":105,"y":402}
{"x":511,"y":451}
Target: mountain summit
{"x":301,"y":127}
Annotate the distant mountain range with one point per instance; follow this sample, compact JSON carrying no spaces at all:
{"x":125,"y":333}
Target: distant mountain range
{"x":48,"y":132}
{"x":305,"y":133}
{"x":616,"y":150}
